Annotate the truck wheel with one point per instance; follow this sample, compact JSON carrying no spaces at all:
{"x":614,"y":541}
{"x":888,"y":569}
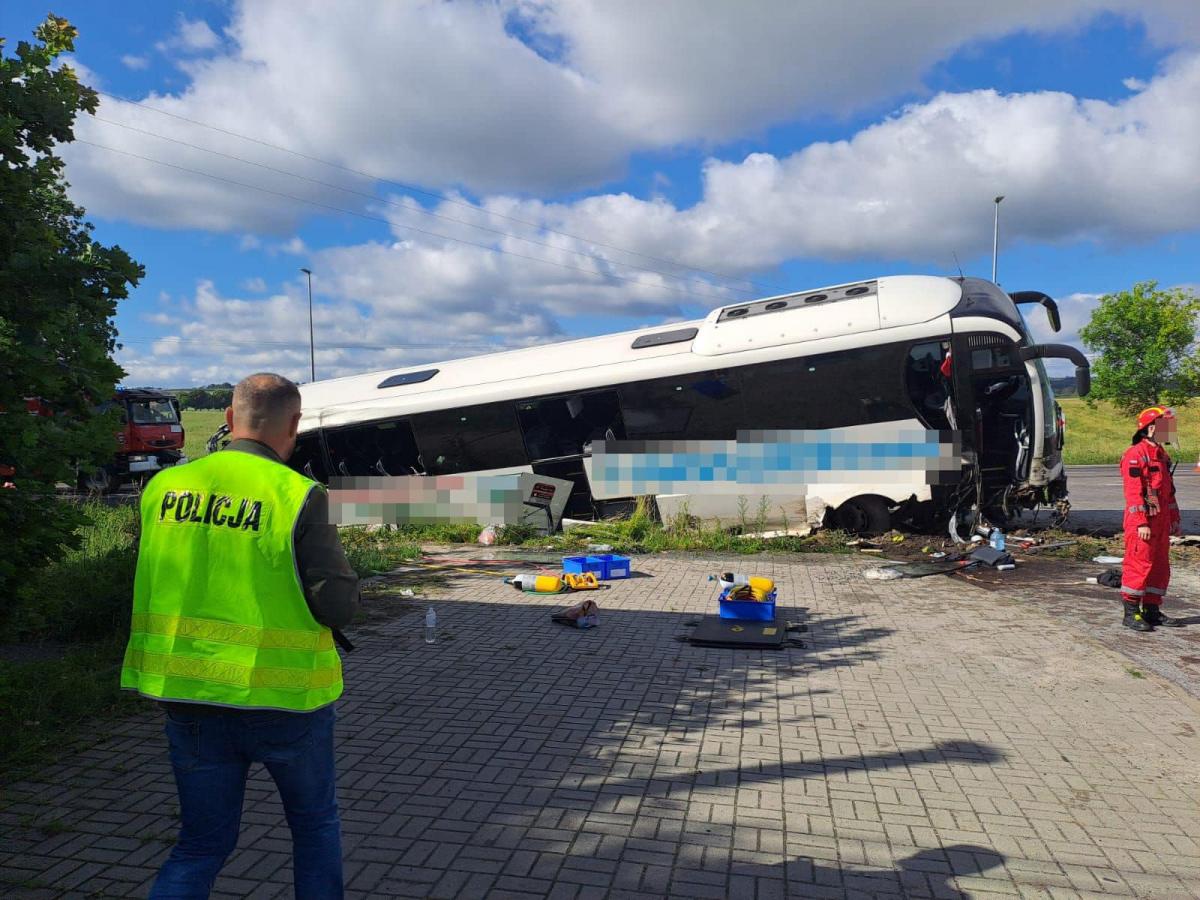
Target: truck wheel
{"x":101,"y":480}
{"x":864,"y":516}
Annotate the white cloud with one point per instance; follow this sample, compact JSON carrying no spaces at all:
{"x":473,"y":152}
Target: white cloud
{"x":191,"y":36}
{"x":918,"y":186}
{"x":254,"y":285}
{"x":457,"y":94}
{"x":294,"y":246}
{"x":216,"y":338}
{"x":136,"y":63}
{"x":678,"y":70}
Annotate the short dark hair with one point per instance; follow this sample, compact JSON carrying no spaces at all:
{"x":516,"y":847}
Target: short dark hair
{"x":264,"y":400}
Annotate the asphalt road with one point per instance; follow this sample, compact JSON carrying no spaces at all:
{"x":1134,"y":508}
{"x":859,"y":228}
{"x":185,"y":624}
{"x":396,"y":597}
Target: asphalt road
{"x":1096,"y":500}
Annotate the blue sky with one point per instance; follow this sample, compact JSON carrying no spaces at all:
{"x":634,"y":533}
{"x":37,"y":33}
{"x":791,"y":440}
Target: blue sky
{"x":785,"y":149}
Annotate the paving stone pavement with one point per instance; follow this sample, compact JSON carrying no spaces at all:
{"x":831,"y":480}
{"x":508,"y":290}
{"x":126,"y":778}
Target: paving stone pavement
{"x":933,"y":739}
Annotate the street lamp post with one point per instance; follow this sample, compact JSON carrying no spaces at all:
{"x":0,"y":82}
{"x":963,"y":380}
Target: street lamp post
{"x":312,"y":356}
{"x":996,"y":237}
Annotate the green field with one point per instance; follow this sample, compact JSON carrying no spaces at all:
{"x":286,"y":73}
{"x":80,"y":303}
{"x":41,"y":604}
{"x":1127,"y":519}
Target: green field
{"x":1100,"y":435}
{"x":198,"y":426}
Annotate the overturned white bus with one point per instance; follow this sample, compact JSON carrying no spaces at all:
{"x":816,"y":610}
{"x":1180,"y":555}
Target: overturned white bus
{"x":853,"y":370}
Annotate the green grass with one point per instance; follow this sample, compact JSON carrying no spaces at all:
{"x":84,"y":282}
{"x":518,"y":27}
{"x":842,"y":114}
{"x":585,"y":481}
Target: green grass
{"x":44,"y":704}
{"x":72,"y":617}
{"x":372,"y":552}
{"x":1099,"y":435}
{"x":198,"y":426}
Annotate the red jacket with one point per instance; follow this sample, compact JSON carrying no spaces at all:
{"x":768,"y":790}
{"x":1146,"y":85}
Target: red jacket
{"x":1149,"y":488}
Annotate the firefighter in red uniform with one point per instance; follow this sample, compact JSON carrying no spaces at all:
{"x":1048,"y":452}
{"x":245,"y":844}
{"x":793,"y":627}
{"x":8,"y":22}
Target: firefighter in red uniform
{"x":1151,"y":517}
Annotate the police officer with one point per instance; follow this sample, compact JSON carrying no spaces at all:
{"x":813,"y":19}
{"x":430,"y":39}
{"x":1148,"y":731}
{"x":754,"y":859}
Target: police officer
{"x":1151,"y":517}
{"x":241,"y":584}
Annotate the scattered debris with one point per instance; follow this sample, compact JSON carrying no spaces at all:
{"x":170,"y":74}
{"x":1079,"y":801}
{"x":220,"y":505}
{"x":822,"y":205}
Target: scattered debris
{"x":921,"y":569}
{"x":1186,"y":540}
{"x":990,"y":556}
{"x":581,"y":615}
{"x":1054,"y":545}
{"x":487,"y":537}
{"x":886,"y":573}
{"x":1108,"y":560}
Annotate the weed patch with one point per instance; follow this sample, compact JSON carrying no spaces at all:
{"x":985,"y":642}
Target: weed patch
{"x":86,"y":595}
{"x":43,"y":703}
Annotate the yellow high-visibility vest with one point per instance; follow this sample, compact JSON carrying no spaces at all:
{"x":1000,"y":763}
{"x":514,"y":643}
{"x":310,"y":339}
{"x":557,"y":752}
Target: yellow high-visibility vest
{"x":219,"y":614}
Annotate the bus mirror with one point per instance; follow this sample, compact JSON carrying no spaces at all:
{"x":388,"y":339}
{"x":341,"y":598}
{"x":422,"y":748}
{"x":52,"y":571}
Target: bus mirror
{"x":1042,"y":300}
{"x":1083,"y":380}
{"x":1083,"y":371}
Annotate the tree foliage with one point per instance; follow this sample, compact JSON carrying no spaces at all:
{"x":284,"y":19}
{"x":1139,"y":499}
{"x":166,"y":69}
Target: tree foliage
{"x":58,"y":293}
{"x":211,"y":396}
{"x":1146,"y":340}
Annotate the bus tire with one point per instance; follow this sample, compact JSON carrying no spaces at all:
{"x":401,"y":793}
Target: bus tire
{"x":864,"y":516}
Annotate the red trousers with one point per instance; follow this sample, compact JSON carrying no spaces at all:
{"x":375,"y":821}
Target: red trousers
{"x":1147,"y":569}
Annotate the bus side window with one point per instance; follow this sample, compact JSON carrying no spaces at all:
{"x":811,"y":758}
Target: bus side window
{"x":704,"y":406}
{"x":469,"y":439}
{"x":927,"y":388}
{"x":308,"y":458}
{"x":561,"y":426}
{"x":833,"y":390}
{"x":374,"y":449}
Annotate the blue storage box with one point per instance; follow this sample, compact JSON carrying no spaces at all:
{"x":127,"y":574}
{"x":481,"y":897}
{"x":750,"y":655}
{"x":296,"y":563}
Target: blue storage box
{"x":607,"y":566}
{"x":748,"y":610}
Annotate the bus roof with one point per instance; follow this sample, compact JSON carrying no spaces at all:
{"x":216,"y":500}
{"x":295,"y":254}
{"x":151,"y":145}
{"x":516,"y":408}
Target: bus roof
{"x":731,"y":335}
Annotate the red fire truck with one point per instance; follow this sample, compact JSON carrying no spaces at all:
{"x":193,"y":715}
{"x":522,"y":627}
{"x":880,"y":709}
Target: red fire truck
{"x":151,"y":438}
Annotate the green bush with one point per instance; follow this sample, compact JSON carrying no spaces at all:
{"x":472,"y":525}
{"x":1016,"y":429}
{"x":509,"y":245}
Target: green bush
{"x":87,"y":594}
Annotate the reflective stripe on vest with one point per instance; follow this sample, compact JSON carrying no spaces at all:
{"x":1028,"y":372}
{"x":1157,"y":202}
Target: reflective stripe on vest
{"x":219,"y":613}
{"x":229,"y":633}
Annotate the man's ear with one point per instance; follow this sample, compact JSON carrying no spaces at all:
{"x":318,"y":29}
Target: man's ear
{"x":294,"y":425}
{"x":229,"y":417}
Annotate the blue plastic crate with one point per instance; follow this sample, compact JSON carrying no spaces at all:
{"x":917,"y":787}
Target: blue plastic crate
{"x":748,"y":610}
{"x":607,"y":566}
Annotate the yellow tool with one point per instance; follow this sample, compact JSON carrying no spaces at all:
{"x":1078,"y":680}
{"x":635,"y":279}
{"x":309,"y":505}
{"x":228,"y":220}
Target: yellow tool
{"x":537,"y":584}
{"x":758,"y":589}
{"x":581,"y":581}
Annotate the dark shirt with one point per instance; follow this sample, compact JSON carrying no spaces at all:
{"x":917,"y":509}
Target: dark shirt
{"x":330,"y":584}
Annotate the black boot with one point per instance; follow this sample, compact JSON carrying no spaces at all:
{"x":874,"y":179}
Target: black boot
{"x":1152,"y":613}
{"x":1133,"y":618}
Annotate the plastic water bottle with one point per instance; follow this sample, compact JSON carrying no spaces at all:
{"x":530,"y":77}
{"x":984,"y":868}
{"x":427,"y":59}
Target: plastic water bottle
{"x":997,"y":539}
{"x":430,"y":626}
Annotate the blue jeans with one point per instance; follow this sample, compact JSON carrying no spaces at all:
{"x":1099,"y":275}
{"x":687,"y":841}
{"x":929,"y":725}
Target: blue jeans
{"x":211,"y":752}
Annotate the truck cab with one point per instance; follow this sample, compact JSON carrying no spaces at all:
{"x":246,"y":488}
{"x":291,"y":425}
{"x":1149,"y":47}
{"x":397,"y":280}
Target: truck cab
{"x":150,"y":438}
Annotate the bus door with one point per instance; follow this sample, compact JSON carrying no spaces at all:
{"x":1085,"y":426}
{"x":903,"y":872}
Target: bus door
{"x":558,"y":432}
{"x":994,"y":391}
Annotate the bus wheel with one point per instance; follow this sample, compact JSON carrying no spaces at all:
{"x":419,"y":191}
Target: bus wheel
{"x":864,"y":516}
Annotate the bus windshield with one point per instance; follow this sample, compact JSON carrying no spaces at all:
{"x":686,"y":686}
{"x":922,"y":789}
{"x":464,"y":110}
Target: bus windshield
{"x":1045,"y":392}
